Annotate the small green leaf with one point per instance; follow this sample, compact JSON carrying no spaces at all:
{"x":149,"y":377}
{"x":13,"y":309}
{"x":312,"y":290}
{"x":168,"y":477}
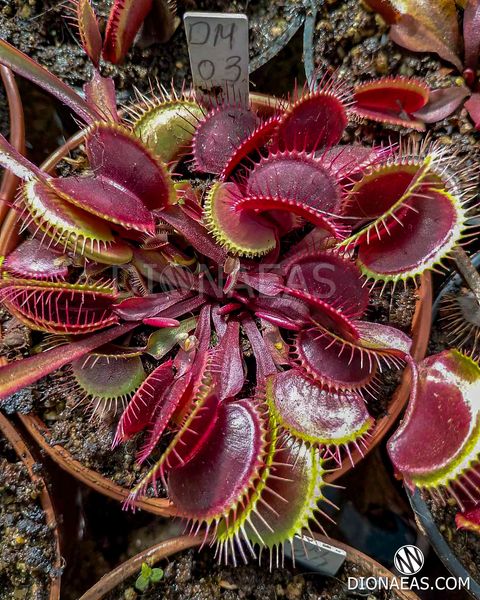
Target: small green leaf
{"x":163,"y":340}
{"x":146,"y":571}
{"x":142,"y":583}
{"x":157,"y":575}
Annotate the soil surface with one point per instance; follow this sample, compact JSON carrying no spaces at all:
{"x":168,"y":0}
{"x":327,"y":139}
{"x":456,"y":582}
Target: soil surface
{"x":27,"y":550}
{"x":197,"y":576}
{"x":464,"y":544}
{"x":40,"y":30}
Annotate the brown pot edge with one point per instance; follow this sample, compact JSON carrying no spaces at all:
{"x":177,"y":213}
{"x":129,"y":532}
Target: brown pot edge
{"x":172,"y":546}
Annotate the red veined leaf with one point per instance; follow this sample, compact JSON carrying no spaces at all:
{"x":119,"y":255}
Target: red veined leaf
{"x":227,"y":363}
{"x":390,"y":340}
{"x":284,"y":311}
{"x":469,"y":520}
{"x":100,"y":94}
{"x":118,"y":156}
{"x":194,"y":233}
{"x":316,"y":415}
{"x":219,"y":136}
{"x":239,"y":232}
{"x":104,"y":199}
{"x":414,"y":35}
{"x":88,"y":29}
{"x":473,"y":107}
{"x":161,"y":322}
{"x":332,"y":361}
{"x":295,"y":176}
{"x":471,"y":33}
{"x":252,"y":144}
{"x":391,"y":100}
{"x":165,"y":406}
{"x":331,"y":277}
{"x":264,"y":362}
{"x":315,"y":120}
{"x":138,"y":309}
{"x":289,"y":499}
{"x":351,"y":159}
{"x":234,"y":451}
{"x":59,"y":307}
{"x":438,"y":17}
{"x":70,"y":227}
{"x":26,"y":67}
{"x":186,"y":443}
{"x":438,"y":442}
{"x":431,"y":225}
{"x":124,"y":21}
{"x":22,"y":373}
{"x":326,"y":314}
{"x":442,"y":103}
{"x":265,"y":204}
{"x":31,"y":260}
{"x":141,"y":407}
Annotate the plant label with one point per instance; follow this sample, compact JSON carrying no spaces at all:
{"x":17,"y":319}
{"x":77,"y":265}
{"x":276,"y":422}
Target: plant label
{"x":314,"y":555}
{"x":218,"y":49}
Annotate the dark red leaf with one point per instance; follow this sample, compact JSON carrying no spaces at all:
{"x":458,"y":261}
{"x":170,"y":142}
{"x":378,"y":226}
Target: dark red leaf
{"x":124,"y":21}
{"x":442,"y":103}
{"x":471,"y":33}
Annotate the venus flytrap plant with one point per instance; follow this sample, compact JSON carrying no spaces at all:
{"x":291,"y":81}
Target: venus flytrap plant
{"x":265,"y":354}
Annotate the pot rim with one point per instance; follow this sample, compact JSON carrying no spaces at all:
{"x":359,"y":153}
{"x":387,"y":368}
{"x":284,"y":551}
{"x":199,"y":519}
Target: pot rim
{"x":282,"y":40}
{"x":427,"y":525}
{"x":18,"y":443}
{"x":174,"y":545}
{"x":39,"y":430}
{"x":308,"y":33}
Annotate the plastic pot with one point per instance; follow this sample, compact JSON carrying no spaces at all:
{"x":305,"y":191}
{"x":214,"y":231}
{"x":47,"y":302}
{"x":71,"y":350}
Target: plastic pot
{"x":308,"y":34}
{"x":296,"y":11}
{"x":18,"y":443}
{"x":170,"y":547}
{"x":427,"y":526}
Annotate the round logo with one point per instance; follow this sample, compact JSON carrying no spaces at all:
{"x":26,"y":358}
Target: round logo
{"x":408,"y":560}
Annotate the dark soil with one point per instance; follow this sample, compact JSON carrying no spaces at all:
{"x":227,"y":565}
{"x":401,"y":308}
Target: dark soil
{"x":27,"y":550}
{"x":464,"y":544}
{"x":355,"y":40}
{"x":40,"y":30}
{"x":194,"y":576}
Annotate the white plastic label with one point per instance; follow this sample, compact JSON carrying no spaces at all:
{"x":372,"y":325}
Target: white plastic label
{"x":314,"y":555}
{"x":218,"y":49}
